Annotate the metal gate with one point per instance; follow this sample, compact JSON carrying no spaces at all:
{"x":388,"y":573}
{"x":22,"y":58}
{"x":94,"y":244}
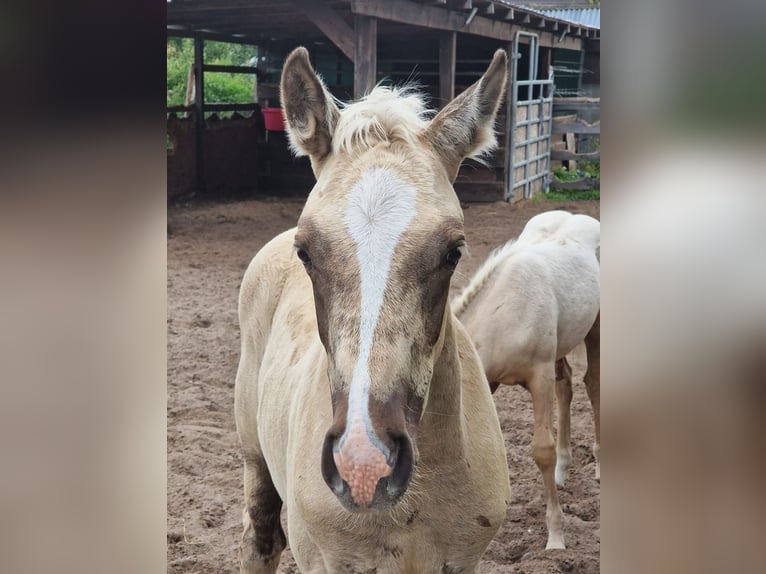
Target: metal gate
{"x":529,"y":127}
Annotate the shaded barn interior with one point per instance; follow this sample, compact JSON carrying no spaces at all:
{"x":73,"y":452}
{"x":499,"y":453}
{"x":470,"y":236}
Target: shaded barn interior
{"x":443,"y":47}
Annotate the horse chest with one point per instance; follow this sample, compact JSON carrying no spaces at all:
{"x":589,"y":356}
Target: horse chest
{"x":420,"y":549}
{"x":445,"y":533}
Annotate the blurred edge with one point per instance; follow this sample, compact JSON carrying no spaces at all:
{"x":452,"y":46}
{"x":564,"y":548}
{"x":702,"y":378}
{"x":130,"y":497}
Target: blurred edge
{"x":82,"y":270}
{"x":684,"y":286}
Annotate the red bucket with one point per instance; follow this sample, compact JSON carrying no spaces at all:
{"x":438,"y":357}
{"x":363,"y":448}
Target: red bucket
{"x":274,"y":120}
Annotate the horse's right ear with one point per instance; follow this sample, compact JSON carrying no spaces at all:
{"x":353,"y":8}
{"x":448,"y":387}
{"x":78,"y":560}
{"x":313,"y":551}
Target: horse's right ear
{"x":309,"y":109}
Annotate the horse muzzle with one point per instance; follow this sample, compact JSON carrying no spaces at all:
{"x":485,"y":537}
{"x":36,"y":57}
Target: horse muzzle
{"x":364,"y":472}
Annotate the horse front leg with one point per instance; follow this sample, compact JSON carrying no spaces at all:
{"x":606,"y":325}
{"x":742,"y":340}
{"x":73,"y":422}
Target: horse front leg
{"x":541,"y":387}
{"x":593,"y":385}
{"x":563,"y":437}
{"x":263,"y":538}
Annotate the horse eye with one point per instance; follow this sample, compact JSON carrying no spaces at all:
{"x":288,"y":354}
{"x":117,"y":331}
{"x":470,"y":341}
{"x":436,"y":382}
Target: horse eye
{"x":453,"y":257}
{"x":303,"y":256}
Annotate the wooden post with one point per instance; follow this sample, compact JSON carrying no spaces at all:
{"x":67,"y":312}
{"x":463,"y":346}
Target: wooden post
{"x":544,"y":62}
{"x":447,"y":55}
{"x":199,"y":114}
{"x":365,"y":54}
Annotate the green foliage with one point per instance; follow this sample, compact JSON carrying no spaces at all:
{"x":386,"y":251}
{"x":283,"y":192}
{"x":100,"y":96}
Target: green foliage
{"x":180,"y":56}
{"x":220,"y":87}
{"x":562,"y":174}
{"x":567,"y":195}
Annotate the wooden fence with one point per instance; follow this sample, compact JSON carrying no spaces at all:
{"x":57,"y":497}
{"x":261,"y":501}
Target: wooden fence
{"x":571,"y":125}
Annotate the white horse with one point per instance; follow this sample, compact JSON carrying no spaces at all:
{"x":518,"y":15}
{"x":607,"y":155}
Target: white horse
{"x":529,"y":305}
{"x":360,"y":401}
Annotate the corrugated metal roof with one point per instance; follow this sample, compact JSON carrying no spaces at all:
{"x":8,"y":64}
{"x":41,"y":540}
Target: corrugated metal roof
{"x":590,"y":17}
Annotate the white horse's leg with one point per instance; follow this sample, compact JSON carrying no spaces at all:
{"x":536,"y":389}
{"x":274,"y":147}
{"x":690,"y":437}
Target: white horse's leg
{"x":593,"y":385}
{"x":563,"y":437}
{"x":263,"y":538}
{"x":541,"y":387}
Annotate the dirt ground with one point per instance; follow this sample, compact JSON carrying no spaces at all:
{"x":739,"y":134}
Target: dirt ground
{"x":209,"y":247}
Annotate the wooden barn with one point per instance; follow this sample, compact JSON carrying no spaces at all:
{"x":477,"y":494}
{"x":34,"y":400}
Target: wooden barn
{"x":443,"y":45}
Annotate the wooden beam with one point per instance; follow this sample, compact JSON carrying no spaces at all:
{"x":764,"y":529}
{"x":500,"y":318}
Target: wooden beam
{"x":544,"y":62}
{"x":447,"y":53}
{"x":365,"y":55}
{"x":576,"y":127}
{"x":564,"y":155}
{"x":217,"y":107}
{"x":231,"y":69}
{"x":406,"y":12}
{"x":330,"y":23}
{"x":199,"y":116}
{"x":230,"y":38}
{"x":582,"y":183}
{"x":576,"y":104}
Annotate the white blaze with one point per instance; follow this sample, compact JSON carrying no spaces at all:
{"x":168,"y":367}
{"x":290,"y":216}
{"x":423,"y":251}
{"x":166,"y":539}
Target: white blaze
{"x":380,"y":208}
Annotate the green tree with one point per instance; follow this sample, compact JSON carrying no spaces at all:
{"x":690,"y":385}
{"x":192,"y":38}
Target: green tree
{"x":220,"y":87}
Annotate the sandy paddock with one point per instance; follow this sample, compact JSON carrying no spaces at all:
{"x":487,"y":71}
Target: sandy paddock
{"x":209,"y":247}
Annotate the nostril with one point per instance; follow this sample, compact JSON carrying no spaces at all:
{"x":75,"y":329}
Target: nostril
{"x":330,"y":471}
{"x":403,"y":466}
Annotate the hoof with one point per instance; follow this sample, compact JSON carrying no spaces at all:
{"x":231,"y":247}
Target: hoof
{"x":555,"y":543}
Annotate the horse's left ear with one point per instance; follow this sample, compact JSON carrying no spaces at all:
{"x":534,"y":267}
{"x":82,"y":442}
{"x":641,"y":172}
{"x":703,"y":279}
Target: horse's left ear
{"x":465,"y":127}
{"x":310,"y":110}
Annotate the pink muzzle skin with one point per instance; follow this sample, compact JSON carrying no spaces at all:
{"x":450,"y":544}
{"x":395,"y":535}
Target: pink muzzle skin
{"x":361,"y":464}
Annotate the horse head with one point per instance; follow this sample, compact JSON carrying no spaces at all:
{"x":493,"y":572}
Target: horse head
{"x":380,"y":237}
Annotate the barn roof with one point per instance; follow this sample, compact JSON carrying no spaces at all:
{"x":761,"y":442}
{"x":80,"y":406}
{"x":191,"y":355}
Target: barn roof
{"x":256,"y":21}
{"x":589,"y":17}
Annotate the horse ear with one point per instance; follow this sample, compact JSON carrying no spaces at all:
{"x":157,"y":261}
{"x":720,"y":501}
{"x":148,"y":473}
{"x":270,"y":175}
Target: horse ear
{"x":465,"y":127}
{"x":309,"y":109}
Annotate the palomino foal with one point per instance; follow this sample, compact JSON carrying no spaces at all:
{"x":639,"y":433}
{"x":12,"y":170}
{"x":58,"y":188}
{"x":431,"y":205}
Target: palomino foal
{"x":530,"y":304}
{"x":360,"y":401}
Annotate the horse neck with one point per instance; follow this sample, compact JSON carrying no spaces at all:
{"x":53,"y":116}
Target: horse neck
{"x":469,"y":296}
{"x":442,"y":422}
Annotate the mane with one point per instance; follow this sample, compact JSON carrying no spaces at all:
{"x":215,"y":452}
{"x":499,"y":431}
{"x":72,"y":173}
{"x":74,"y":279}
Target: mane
{"x":480,"y":278}
{"x":385,"y":115}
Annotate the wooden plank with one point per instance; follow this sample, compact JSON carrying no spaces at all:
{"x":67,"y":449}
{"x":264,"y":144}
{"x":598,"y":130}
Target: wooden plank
{"x":231,"y":107}
{"x":575,"y":106}
{"x":238,"y":39}
{"x":447,"y":53}
{"x":571,"y":147}
{"x":436,"y":18}
{"x":577,"y":100}
{"x":199,"y":118}
{"x":576,"y":127}
{"x":231,"y":69}
{"x":330,"y":23}
{"x":571,"y":156}
{"x":582,"y":183}
{"x":189,"y":88}
{"x":544,"y":62}
{"x":365,"y":55}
